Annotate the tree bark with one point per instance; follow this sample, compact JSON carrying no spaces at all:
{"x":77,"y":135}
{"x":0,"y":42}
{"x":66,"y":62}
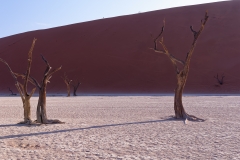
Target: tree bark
{"x":27,"y":109}
{"x":41,"y":107}
{"x":178,"y":105}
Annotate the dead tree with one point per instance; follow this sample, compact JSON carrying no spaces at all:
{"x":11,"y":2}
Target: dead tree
{"x":23,"y":88}
{"x":75,"y":87}
{"x":13,"y":94}
{"x":42,"y":87}
{"x":67,"y":81}
{"x":182,"y":74}
{"x":220,"y":81}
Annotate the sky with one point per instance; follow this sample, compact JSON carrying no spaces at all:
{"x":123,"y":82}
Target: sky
{"x":19,"y":16}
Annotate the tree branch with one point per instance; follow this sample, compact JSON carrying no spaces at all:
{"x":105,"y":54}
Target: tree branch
{"x":196,"y":36}
{"x":172,"y":56}
{"x":33,"y":90}
{"x":21,"y":86}
{"x":48,"y":73}
{"x":55,"y":70}
{"x":11,"y":72}
{"x":173,"y":59}
{"x":169,"y":56}
{"x":15,"y":78}
{"x":194,"y":32}
{"x":77,"y":85}
{"x":29,"y":66}
{"x":48,"y":66}
{"x":155,"y":41}
{"x":20,"y":92}
{"x":30,"y":79}
{"x":66,"y":79}
{"x":20,"y":89}
{"x":48,"y":79}
{"x":35,"y":82}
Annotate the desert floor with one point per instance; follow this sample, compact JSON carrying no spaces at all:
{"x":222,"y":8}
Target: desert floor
{"x":122,"y":127}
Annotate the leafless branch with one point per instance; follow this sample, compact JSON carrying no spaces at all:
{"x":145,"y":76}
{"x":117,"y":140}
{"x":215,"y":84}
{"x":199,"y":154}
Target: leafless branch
{"x":35,"y":82}
{"x":194,"y":32}
{"x":66,"y":79}
{"x":55,"y":70}
{"x":48,"y":66}
{"x":30,"y":79}
{"x":11,"y":72}
{"x":33,"y":90}
{"x":29,"y":65}
{"x":155,"y":41}
{"x":173,"y":59}
{"x":196,"y":36}
{"x":20,"y":91}
{"x":171,"y":55}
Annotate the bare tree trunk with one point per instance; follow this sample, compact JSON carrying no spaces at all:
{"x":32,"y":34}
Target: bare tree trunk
{"x":67,"y":81}
{"x":75,"y":91}
{"x":68,"y":90}
{"x":178,"y":106}
{"x":41,"y":107}
{"x":25,"y":99}
{"x":27,"y":109}
{"x":26,"y":103}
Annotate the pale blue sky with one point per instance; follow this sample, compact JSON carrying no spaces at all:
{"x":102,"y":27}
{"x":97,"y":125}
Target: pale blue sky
{"x":19,"y":16}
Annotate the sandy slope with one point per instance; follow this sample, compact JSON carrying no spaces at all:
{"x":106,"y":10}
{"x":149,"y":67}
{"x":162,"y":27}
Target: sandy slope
{"x":123,"y":128}
{"x":112,"y":55}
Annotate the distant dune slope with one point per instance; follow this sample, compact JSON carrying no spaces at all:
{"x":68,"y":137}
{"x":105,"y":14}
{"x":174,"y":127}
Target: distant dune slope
{"x":113,"y":56}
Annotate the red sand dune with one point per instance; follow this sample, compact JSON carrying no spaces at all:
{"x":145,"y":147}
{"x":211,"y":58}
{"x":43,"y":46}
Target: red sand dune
{"x":113,"y":56}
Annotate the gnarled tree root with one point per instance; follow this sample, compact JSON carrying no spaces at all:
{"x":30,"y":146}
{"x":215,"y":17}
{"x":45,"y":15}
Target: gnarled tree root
{"x":28,"y":122}
{"x":186,"y":117}
{"x":193,"y":118}
{"x":54,"y":121}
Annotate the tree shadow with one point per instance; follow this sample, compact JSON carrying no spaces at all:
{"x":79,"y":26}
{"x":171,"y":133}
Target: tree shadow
{"x":19,"y":125}
{"x":14,"y":125}
{"x":78,"y":129}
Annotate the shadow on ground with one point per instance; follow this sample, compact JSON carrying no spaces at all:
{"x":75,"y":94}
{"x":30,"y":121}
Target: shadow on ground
{"x":77,"y":129}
